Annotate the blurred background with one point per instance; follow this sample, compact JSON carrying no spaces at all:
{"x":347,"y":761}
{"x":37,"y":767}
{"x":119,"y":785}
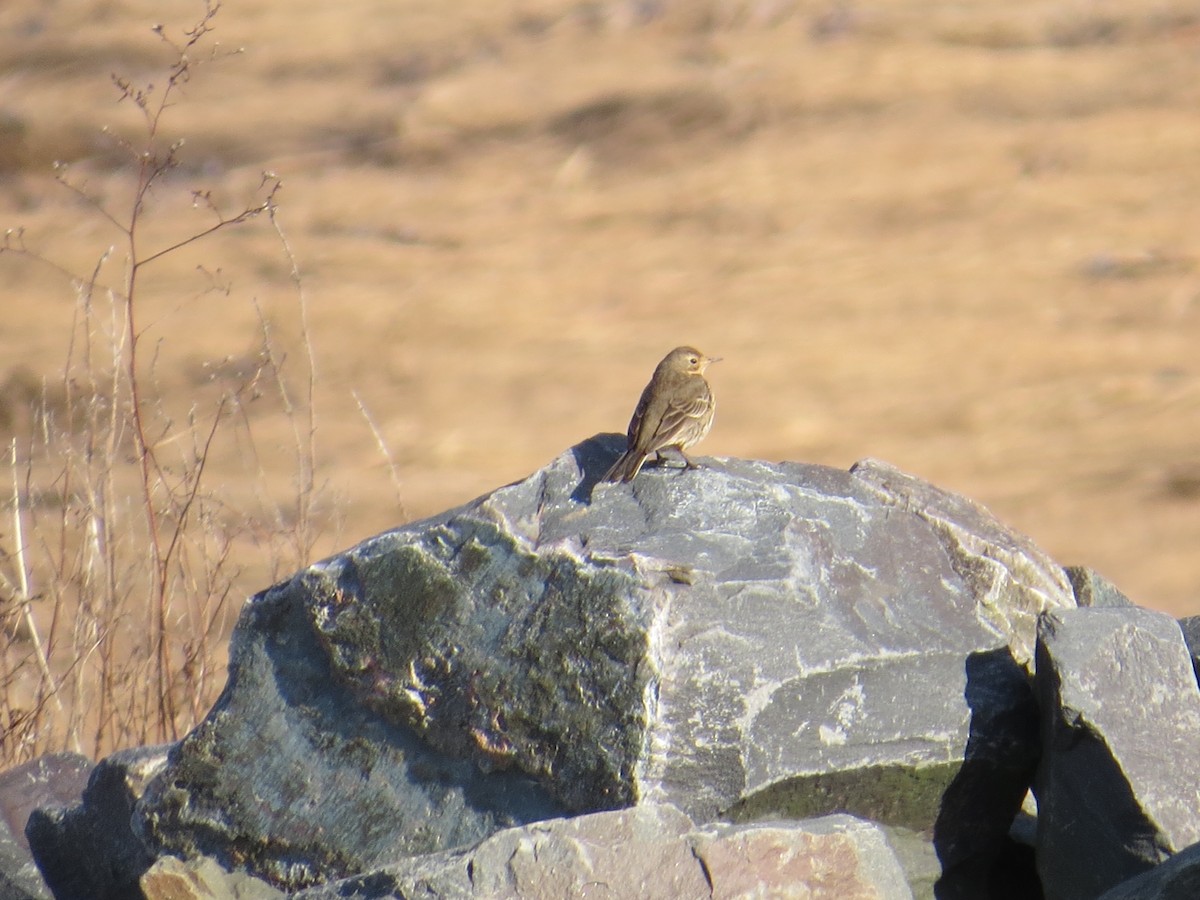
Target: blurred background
{"x":956,"y":236}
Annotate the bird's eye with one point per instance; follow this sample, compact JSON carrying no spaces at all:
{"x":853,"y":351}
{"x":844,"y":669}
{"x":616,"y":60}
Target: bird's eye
{"x":693,"y":360}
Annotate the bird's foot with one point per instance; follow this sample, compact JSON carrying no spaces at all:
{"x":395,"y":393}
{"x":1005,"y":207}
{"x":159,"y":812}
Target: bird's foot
{"x":678,"y":459}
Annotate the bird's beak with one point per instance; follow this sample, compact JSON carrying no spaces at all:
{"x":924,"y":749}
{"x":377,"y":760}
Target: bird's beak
{"x":713,"y":359}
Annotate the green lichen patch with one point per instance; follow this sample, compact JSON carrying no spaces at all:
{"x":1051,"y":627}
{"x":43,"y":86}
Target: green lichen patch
{"x":524,"y":659}
{"x":904,"y":796}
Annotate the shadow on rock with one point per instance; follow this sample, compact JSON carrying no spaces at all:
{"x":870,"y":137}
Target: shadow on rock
{"x":971,"y":834}
{"x":594,"y":457}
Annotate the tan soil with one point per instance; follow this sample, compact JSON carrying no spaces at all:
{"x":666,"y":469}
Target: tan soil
{"x":957,"y":237}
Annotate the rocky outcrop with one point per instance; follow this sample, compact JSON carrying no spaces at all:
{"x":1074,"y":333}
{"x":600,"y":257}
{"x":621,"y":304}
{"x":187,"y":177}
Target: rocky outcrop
{"x":743,"y":641}
{"x":747,"y":673}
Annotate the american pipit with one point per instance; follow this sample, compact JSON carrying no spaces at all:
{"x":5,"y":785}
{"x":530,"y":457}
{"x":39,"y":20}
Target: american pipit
{"x":676,"y":411}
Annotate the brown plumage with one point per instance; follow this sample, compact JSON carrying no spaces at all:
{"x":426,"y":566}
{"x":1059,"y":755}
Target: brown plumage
{"x":675,"y":411}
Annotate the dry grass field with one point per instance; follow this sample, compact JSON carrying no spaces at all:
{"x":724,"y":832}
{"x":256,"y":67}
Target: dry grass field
{"x":960,"y":237}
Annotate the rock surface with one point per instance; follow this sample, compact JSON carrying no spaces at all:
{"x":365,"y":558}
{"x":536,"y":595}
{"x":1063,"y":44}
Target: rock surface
{"x":1093,"y":589}
{"x":1176,"y":879}
{"x":1118,"y":785}
{"x":1190,"y":627}
{"x":689,"y":665}
{"x":54,"y":779}
{"x":649,"y":851}
{"x":746,"y":640}
{"x":201,"y":879}
{"x":89,"y":851}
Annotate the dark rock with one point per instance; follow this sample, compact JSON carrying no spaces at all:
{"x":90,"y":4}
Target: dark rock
{"x":89,"y":851}
{"x":1176,"y":879}
{"x":294,"y":777}
{"x":746,"y":639}
{"x":1190,"y":627}
{"x":56,"y":778}
{"x":978,"y":808}
{"x":653,"y":852}
{"x":1024,"y":825}
{"x":1093,"y":589}
{"x":1116,"y":786}
{"x":1014,"y":874}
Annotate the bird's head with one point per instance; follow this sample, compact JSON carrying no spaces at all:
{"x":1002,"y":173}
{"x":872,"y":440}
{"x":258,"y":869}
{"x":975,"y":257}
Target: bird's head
{"x":689,"y":360}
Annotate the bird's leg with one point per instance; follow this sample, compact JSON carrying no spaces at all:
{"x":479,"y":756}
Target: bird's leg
{"x":677,"y":454}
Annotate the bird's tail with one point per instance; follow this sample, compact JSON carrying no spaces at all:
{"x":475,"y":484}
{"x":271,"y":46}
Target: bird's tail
{"x":626,"y":467}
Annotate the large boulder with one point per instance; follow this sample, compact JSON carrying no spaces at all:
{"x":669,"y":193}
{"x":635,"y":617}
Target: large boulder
{"x":743,"y":642}
{"x":1118,"y":786}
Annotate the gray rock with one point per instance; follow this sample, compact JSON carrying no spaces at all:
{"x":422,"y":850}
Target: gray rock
{"x":1010,"y":579}
{"x":1093,"y":589}
{"x":88,"y":851}
{"x":835,"y":857}
{"x":747,"y":640}
{"x":201,"y":879}
{"x":917,"y":857}
{"x":1010,"y":872}
{"x":1117,"y":787}
{"x":642,"y":851}
{"x":638,"y":852}
{"x":651,"y":852}
{"x":1176,"y":879}
{"x":298,"y":779}
{"x":53,"y":779}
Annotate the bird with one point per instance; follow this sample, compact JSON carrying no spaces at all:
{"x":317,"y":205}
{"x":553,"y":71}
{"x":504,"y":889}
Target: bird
{"x":675,"y":411}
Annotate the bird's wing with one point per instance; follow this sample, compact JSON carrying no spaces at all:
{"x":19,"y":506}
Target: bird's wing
{"x":677,"y":418}
{"x":639,"y":415}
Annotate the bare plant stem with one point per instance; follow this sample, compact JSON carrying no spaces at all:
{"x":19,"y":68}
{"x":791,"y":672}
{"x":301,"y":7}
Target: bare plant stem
{"x":23,"y":575}
{"x":129,"y":547}
{"x":393,"y":471}
{"x":306,"y":445}
{"x":152,"y":165}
